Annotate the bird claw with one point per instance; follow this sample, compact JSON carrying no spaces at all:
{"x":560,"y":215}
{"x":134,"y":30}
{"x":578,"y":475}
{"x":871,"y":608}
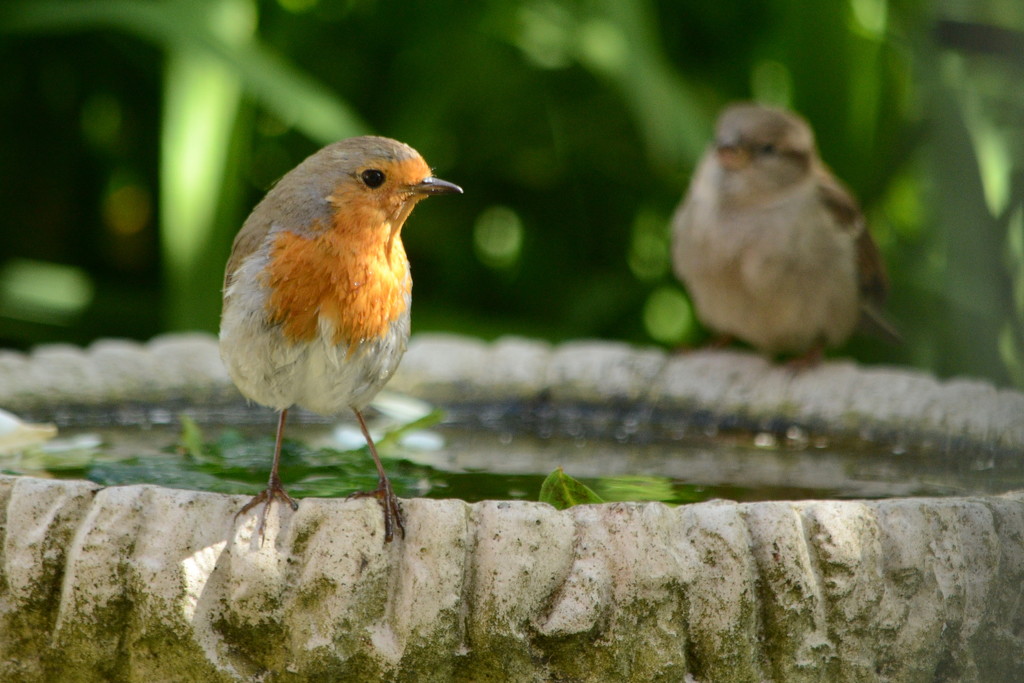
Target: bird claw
{"x":390,"y":504}
{"x":267,"y":496}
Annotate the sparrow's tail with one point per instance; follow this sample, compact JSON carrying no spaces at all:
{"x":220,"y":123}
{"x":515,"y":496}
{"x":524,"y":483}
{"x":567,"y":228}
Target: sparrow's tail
{"x":873,"y":321}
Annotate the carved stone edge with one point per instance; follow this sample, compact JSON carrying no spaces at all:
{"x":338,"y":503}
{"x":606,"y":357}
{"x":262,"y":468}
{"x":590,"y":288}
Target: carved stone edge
{"x":141,"y":583}
{"x":732,"y":387}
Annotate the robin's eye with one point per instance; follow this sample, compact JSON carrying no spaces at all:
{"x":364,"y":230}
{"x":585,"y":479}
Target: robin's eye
{"x":372,"y":177}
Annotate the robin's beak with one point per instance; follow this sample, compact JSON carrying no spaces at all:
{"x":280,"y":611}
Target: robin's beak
{"x":432,"y":185}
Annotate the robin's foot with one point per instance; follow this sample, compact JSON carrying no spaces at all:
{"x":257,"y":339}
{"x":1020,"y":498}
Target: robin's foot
{"x":267,"y":496}
{"x":389,"y":502}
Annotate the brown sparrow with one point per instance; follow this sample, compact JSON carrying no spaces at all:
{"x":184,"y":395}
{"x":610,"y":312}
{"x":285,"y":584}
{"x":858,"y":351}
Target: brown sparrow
{"x":771,"y":246}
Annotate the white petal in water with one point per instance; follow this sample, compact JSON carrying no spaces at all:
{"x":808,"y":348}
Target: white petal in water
{"x":401,"y":408}
{"x":16,"y":435}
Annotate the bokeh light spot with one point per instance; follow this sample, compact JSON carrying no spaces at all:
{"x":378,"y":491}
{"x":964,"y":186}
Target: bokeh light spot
{"x":127,"y":210}
{"x":498,"y":237}
{"x":871,"y":17}
{"x":41,"y":291}
{"x":668,"y":317}
{"x":543,"y":35}
{"x":649,"y":246}
{"x":603,"y":45}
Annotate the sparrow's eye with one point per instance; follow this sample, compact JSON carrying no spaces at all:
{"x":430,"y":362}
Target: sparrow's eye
{"x":767,"y":148}
{"x":372,"y":178}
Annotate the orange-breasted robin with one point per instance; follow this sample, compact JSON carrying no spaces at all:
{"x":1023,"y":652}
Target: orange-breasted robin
{"x":317,"y":291}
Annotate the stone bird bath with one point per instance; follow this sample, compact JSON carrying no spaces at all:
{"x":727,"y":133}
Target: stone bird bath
{"x":142,"y":583}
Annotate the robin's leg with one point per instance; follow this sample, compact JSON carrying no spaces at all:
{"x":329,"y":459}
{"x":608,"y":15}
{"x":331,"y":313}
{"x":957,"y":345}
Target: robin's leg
{"x":274,"y":488}
{"x":383,"y":493}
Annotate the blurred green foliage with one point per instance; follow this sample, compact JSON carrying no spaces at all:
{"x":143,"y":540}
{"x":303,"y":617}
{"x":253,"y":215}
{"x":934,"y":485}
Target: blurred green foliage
{"x":137,"y":134}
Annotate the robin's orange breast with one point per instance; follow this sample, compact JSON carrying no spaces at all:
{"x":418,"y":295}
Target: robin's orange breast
{"x":348,"y":278}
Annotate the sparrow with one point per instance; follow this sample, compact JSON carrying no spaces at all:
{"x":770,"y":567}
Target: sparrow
{"x":771,"y":247}
{"x":317,"y":292}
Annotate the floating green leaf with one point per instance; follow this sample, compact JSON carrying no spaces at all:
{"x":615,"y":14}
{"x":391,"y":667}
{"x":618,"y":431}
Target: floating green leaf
{"x":191,"y":439}
{"x":562,"y":491}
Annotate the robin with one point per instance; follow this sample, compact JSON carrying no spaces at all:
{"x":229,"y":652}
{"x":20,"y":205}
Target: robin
{"x":317,"y":292}
{"x":772,"y":248}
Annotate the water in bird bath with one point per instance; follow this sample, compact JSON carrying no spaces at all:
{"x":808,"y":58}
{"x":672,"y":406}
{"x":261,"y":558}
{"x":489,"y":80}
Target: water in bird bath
{"x":505,"y":452}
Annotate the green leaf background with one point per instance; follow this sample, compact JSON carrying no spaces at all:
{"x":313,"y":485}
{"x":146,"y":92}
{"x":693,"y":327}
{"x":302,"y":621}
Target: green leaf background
{"x":138,"y":134}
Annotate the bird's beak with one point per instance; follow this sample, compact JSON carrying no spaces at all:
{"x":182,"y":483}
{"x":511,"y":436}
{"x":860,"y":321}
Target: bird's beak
{"x":732,"y":157}
{"x":432,"y":185}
